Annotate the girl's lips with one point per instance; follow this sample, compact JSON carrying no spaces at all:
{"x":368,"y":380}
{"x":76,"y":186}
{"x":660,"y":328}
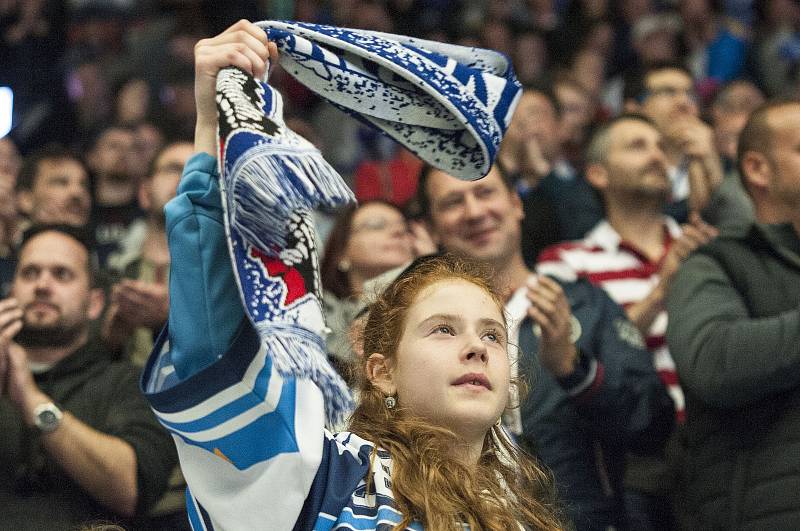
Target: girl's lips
{"x":474,"y":378}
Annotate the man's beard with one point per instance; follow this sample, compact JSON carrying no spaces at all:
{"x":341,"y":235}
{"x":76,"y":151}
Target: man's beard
{"x":51,"y":336}
{"x":118,"y":176}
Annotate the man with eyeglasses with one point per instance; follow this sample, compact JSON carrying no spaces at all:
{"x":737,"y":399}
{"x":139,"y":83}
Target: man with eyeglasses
{"x":665,"y":93}
{"x":139,"y":301}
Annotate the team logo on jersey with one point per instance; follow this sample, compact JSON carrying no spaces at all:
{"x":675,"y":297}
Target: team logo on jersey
{"x":628,"y":333}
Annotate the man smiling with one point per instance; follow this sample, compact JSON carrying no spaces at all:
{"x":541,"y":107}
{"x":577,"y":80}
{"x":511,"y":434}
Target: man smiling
{"x":594,"y":392}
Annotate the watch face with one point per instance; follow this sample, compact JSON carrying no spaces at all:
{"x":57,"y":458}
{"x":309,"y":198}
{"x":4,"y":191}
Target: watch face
{"x":48,"y":418}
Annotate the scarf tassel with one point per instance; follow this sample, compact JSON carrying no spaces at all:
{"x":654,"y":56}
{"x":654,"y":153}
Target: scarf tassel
{"x":271,"y":181}
{"x":299,"y":355}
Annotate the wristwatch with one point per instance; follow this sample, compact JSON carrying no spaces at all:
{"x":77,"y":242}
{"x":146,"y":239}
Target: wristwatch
{"x":47,"y":417}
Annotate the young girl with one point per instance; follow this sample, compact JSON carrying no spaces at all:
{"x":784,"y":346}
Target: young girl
{"x":424,"y":450}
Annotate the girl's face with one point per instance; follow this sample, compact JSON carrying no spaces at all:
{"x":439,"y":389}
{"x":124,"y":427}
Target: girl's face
{"x":379,"y":240}
{"x":451,"y":366}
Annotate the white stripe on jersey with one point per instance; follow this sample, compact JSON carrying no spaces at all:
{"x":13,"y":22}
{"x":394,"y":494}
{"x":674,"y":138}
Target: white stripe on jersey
{"x":229,"y":394}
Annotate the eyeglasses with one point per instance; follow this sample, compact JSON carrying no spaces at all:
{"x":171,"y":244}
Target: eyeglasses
{"x":379,"y":224}
{"x":672,"y":92}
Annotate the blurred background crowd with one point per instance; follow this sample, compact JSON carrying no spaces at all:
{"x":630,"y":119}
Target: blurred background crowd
{"x":78,"y":66}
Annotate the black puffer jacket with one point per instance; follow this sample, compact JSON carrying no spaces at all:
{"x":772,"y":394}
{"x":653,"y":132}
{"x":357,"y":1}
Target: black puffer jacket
{"x":734,"y":332}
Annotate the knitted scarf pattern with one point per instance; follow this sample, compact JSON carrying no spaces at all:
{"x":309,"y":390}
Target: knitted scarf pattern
{"x":450,"y":105}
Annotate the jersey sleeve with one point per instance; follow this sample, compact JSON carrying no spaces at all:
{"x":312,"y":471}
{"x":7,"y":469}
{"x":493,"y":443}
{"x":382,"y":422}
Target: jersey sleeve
{"x":250,"y":441}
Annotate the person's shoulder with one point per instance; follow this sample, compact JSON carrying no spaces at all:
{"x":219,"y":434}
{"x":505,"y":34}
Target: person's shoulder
{"x":740,"y":231}
{"x":731,"y":238}
{"x":349,"y":441}
{"x":108,"y":366}
{"x":582,"y":292}
{"x":554,"y":252}
{"x":581,"y":250}
{"x":122,"y":372}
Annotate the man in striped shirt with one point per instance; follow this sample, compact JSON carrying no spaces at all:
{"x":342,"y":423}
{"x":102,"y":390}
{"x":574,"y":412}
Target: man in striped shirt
{"x":635,"y":251}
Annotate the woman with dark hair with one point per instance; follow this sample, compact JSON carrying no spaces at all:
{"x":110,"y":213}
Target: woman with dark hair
{"x":366,"y":241}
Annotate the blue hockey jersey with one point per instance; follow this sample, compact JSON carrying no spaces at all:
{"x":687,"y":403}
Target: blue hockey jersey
{"x":253,"y":445}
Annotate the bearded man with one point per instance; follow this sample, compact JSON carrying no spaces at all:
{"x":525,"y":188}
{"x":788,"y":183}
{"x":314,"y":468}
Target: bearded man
{"x":79,"y":441}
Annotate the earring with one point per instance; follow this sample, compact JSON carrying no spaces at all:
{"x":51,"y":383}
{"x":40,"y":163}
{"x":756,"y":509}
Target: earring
{"x":390,"y":402}
{"x":343,"y":265}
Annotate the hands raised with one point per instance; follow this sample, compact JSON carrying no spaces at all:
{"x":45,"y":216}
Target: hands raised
{"x":551,"y":311}
{"x":133,"y":304}
{"x":16,"y":380}
{"x":694,"y":234}
{"x":244,"y":45}
{"x":696,"y":139}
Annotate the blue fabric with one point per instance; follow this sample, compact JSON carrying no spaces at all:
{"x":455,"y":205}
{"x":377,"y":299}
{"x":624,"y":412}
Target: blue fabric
{"x":625,"y":408}
{"x":726,"y":56}
{"x":198,"y":254}
{"x":448,"y":104}
{"x":236,"y":421}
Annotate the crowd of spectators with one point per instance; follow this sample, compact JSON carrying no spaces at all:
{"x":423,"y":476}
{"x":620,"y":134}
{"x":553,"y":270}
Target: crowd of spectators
{"x":621,"y":161}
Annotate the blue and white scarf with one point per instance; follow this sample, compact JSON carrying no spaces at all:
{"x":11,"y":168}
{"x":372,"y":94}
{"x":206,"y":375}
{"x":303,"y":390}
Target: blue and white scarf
{"x":450,"y":105}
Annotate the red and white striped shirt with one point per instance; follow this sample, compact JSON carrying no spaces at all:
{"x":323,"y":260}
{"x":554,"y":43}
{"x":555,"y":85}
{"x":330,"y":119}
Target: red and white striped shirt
{"x":628,"y":276}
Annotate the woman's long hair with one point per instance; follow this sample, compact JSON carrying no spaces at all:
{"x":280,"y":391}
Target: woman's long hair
{"x":506,"y":489}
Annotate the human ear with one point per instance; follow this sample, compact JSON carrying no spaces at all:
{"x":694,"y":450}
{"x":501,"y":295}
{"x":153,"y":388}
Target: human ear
{"x":25,"y":201}
{"x":597,"y":176}
{"x":429,"y":226}
{"x":756,"y":170}
{"x":97,"y":301}
{"x":144,"y":197}
{"x":631,"y":106}
{"x":516,"y":206}
{"x":379,"y":374}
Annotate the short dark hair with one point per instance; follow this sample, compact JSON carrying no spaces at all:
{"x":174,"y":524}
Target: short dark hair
{"x":420,"y":205}
{"x":94,"y":139}
{"x":635,"y":79}
{"x":546,"y":90}
{"x":597,"y":148}
{"x":151,"y":167}
{"x":757,"y":133}
{"x":80,"y":235}
{"x":26,"y":179}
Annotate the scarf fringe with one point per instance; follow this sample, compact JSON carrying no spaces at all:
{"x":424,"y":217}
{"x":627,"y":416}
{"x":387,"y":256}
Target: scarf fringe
{"x":270,"y":182}
{"x":296,"y":356}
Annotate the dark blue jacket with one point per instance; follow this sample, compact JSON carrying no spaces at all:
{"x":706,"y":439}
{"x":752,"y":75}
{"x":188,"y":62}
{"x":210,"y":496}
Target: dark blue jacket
{"x":582,"y":426}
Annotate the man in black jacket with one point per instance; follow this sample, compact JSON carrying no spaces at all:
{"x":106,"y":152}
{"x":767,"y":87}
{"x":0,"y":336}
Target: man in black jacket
{"x":79,"y":441}
{"x":734,"y":332}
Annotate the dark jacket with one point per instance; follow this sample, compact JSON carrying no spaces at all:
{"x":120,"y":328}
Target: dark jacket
{"x":734,"y":332}
{"x":583,"y":437}
{"x":35,"y":493}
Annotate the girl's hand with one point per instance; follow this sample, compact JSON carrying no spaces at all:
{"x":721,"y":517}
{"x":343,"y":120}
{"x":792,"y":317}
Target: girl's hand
{"x":244,"y":45}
